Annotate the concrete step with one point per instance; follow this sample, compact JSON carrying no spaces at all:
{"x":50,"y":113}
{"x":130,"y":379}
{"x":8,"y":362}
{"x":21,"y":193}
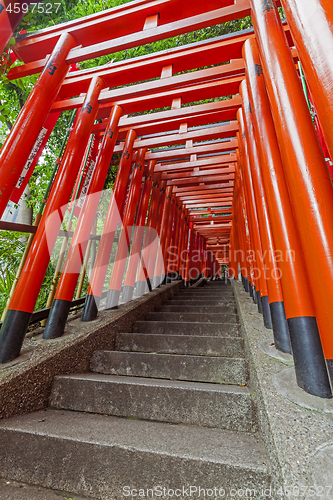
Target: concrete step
{"x":12,"y":490}
{"x":181,"y":328}
{"x":200,"y":302}
{"x":206,"y":405}
{"x":211,"y":369}
{"x":204,"y":296}
{"x":192,"y":317}
{"x":181,"y":344}
{"x":221,"y":284}
{"x":206,"y":300}
{"x":97,"y":456}
{"x":198,"y":309}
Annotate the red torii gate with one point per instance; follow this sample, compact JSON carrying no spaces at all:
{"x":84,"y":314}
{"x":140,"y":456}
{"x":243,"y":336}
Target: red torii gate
{"x":234,"y":168}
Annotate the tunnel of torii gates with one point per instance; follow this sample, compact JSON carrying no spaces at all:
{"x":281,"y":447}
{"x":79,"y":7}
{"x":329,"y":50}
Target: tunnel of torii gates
{"x":243,"y":181}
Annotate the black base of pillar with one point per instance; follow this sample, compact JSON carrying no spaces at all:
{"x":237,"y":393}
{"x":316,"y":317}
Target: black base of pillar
{"x":310,"y":366}
{"x":266,"y":312}
{"x":169,"y":277}
{"x":254,"y":295}
{"x":280,"y":327}
{"x":187,"y":284}
{"x":246,"y":285}
{"x":90,"y":309}
{"x":140,"y":288}
{"x":329,"y":364}
{"x":127,"y":295}
{"x":56,"y":321}
{"x":112,"y":299}
{"x":195,"y":280}
{"x":12,"y":334}
{"x":251,"y":290}
{"x":259,"y":303}
{"x":149,"y":284}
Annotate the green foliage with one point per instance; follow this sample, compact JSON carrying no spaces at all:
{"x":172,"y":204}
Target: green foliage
{"x":12,"y":245}
{"x":11,"y":250}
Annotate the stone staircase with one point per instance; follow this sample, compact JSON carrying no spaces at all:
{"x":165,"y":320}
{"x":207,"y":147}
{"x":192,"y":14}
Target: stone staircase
{"x":169,"y":408}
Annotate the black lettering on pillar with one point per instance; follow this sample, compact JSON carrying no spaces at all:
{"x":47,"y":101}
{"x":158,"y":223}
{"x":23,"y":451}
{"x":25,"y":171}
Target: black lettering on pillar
{"x":268,"y":5}
{"x":258,"y":70}
{"x":51,"y":68}
{"x":87,"y":107}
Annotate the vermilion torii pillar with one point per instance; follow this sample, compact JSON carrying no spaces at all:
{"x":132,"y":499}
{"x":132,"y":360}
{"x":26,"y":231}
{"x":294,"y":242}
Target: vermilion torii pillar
{"x":150,"y":241}
{"x":159,"y":265}
{"x":174,"y":244}
{"x":259,"y":245}
{"x":304,"y":165}
{"x":134,"y":258}
{"x":298,"y":301}
{"x":244,"y":218}
{"x":259,"y":271}
{"x":18,"y":145}
{"x":276,"y":304}
{"x":168,"y":240}
{"x":190,"y":243}
{"x":239,"y":222}
{"x":178,"y":239}
{"x":112,"y":299}
{"x":26,"y":293}
{"x":182,"y":232}
{"x":310,"y":23}
{"x":250,"y":252}
{"x":56,"y":322}
{"x":112,"y":220}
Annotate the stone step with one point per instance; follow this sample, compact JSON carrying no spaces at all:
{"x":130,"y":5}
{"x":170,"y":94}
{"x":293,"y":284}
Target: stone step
{"x":12,"y":490}
{"x":211,"y":369}
{"x":192,"y":317}
{"x":200,"y":302}
{"x":198,"y":309}
{"x":97,"y":456}
{"x":204,"y":296}
{"x":205,"y":405}
{"x":203,"y":300}
{"x":181,"y":328}
{"x":221,"y":284}
{"x":181,"y":344}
